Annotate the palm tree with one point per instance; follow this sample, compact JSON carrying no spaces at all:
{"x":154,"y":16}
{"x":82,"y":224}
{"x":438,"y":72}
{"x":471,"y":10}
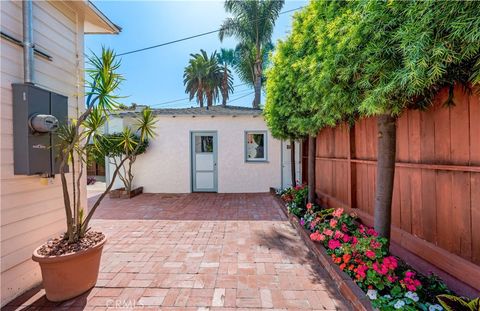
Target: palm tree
{"x":202,"y":77}
{"x":244,"y":61}
{"x":226,"y":58}
{"x":194,"y":78}
{"x":252,"y":24}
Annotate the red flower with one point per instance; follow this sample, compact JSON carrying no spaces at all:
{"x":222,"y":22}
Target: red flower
{"x":391,"y":278}
{"x":371,"y":231}
{"x":380,"y":269}
{"x":375,"y":244}
{"x":409,"y":282}
{"x":361,"y":271}
{"x":370,"y":254}
{"x":309,"y":206}
{"x":342,"y":266}
{"x":390,"y":262}
{"x":346,"y":258}
{"x":333,"y":244}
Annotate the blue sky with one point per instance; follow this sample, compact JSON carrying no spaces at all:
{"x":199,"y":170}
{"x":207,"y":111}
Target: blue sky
{"x":154,"y":77}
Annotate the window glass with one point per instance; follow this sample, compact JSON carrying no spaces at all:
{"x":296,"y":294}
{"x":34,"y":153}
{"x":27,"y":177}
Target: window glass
{"x":256,"y":146}
{"x":203,"y":144}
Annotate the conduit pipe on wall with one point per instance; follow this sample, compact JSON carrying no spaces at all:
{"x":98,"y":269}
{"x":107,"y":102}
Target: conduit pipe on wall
{"x":28,"y":45}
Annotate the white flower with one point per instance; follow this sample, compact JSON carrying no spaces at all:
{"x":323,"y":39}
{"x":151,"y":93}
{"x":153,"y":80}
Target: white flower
{"x":412,"y":296}
{"x":372,"y":294}
{"x":387,"y":296}
{"x":399,"y":304}
{"x":435,"y":307}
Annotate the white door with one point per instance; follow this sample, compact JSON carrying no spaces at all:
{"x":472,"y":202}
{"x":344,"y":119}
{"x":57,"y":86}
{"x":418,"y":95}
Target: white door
{"x":287,"y":162}
{"x":204,"y":161}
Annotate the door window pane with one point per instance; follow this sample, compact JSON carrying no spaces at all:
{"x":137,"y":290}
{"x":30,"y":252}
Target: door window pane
{"x":256,"y":146}
{"x":203,"y":144}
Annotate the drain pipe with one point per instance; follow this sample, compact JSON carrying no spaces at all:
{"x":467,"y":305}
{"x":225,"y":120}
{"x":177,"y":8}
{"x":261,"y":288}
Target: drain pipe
{"x":28,"y":45}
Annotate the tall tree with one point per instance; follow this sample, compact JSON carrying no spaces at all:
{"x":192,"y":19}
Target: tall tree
{"x":203,"y":77}
{"x":252,"y":24}
{"x":226,"y":59}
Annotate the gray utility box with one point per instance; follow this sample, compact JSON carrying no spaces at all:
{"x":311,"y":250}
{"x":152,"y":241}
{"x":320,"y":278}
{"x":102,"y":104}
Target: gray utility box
{"x":35,"y":152}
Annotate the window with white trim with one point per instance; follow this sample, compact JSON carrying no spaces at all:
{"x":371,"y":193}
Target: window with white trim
{"x":255,"y":146}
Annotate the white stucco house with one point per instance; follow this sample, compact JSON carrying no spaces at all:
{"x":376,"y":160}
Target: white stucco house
{"x":220,"y":149}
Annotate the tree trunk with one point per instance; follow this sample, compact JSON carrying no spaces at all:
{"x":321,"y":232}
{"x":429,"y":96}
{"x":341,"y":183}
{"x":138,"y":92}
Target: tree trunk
{"x":258,"y":84}
{"x":225,"y":86}
{"x":385,"y":173}
{"x":292,"y":162}
{"x":312,"y":141}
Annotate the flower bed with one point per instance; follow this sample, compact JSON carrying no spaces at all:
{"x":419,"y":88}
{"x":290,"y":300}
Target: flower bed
{"x":360,"y":253}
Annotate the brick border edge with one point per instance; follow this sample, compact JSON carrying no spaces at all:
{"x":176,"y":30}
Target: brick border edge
{"x":347,"y":287}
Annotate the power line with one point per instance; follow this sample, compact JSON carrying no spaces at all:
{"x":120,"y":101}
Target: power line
{"x":187,"y":98}
{"x":192,"y":37}
{"x":175,"y":102}
{"x":241,"y":97}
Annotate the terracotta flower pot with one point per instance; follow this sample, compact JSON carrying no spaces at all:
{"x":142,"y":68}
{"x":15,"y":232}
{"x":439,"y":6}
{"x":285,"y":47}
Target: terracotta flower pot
{"x":70,"y":275}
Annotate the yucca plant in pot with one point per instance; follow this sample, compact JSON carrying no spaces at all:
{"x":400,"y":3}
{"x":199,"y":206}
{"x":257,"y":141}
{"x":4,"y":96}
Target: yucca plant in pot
{"x":70,"y":262}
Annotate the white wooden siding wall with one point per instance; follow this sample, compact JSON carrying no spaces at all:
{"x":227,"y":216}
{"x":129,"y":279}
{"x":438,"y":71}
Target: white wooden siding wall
{"x":32,"y":213}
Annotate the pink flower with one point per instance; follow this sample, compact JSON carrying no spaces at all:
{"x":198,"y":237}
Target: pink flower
{"x":360,"y":271}
{"x":354,"y":240}
{"x":390,"y":262}
{"x":391,"y":278}
{"x":375,"y":244}
{"x":338,"y":212}
{"x":409,"y":282}
{"x":328,"y":232}
{"x":316,"y":236}
{"x":333,"y":223}
{"x":370,"y":254}
{"x":344,"y":228}
{"x":380,"y":269}
{"x":333,"y":244}
{"x":338,"y":235}
{"x":309,"y":205}
{"x":361,"y":228}
{"x":371,"y":231}
{"x":346,"y":238}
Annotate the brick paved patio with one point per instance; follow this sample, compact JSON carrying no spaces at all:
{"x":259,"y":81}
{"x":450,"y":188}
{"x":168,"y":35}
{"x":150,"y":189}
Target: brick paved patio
{"x":200,"y":252}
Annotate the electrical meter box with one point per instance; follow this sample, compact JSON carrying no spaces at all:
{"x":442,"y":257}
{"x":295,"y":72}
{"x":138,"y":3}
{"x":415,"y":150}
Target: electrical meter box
{"x":37,"y":113}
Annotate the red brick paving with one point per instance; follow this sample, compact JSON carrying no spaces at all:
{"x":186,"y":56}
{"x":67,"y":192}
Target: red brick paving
{"x":199,"y":252}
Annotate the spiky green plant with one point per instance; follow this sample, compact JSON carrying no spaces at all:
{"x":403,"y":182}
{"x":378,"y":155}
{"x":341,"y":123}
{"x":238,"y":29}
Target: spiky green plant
{"x":73,"y":138}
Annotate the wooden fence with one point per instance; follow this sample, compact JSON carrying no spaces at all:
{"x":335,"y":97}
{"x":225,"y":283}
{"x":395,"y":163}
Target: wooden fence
{"x":436,"y":200}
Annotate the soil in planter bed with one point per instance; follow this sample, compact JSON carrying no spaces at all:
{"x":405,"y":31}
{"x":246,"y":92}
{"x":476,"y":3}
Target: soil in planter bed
{"x":60,"y":246}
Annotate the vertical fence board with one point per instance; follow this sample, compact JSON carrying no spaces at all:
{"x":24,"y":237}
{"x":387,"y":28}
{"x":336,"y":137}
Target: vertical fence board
{"x":405,"y":200}
{"x":445,"y":225}
{"x":475,"y":205}
{"x":428,"y":210}
{"x":461,"y":214}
